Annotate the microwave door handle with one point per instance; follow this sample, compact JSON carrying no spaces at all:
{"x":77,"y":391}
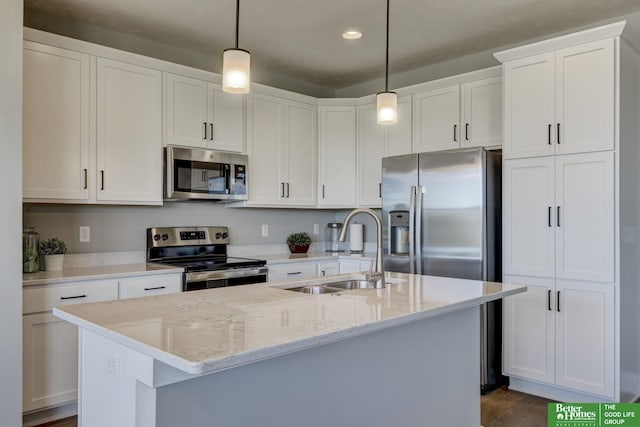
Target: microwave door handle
{"x":227,"y":174}
{"x":412,"y":237}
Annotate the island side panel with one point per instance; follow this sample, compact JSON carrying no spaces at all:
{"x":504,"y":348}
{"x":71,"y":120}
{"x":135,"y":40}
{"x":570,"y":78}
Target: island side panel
{"x":420,"y":374}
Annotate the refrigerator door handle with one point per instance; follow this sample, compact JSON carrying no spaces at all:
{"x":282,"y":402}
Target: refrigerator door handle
{"x":418,"y":235}
{"x":412,"y":235}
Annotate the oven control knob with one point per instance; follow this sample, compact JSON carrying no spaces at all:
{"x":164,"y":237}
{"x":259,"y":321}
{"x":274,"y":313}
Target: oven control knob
{"x":225,"y":235}
{"x":165,"y":236}
{"x":218,"y":235}
{"x":156,"y":237}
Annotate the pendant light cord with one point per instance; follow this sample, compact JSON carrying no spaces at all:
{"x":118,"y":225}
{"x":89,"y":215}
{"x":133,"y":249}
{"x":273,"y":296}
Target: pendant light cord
{"x":238,"y":22}
{"x":386,"y":70}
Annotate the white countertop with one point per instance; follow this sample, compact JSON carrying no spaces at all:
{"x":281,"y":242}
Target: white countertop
{"x":281,"y":258}
{"x":96,"y":272}
{"x":216,"y":329}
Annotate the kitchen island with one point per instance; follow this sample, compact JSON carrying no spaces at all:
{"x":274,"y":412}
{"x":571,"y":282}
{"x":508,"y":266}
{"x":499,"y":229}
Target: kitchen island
{"x":261,"y":355}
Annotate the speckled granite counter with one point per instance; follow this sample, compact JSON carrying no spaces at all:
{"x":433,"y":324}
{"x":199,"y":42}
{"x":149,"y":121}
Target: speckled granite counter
{"x":96,"y":272}
{"x":203,"y":319}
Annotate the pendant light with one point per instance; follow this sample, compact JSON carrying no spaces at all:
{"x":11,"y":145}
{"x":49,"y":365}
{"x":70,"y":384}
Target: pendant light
{"x":387,"y":102}
{"x":236,"y":65}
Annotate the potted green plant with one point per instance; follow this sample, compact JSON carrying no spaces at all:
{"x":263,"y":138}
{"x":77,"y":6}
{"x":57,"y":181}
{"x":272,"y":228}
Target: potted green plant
{"x":299,"y":242}
{"x":53,"y":250}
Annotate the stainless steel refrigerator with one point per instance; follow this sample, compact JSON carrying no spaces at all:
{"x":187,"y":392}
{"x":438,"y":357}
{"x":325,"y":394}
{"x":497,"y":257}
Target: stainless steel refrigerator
{"x":441,"y":213}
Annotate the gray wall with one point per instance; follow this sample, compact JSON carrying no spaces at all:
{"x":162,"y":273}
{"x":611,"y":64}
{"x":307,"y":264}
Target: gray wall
{"x":10,"y":232}
{"x":123,"y":228}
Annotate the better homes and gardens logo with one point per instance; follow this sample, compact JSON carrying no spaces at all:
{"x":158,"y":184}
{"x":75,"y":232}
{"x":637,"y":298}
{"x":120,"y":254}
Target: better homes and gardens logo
{"x":593,"y":414}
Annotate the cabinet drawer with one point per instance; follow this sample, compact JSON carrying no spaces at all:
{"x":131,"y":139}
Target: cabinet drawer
{"x":293,"y":271}
{"x":37,"y":299}
{"x":146,"y":286}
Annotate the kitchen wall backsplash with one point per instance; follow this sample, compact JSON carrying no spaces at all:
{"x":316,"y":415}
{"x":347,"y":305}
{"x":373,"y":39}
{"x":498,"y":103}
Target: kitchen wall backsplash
{"x":123,"y":228}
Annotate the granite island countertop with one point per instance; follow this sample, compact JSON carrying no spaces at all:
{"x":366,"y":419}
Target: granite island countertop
{"x":216,"y":329}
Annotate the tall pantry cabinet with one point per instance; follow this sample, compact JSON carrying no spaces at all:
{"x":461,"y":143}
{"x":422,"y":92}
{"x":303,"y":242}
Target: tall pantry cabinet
{"x":570,"y":217}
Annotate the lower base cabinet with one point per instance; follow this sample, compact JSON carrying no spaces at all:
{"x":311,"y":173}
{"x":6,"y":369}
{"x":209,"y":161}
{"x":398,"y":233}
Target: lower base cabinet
{"x":562,"y":333}
{"x":50,"y":345}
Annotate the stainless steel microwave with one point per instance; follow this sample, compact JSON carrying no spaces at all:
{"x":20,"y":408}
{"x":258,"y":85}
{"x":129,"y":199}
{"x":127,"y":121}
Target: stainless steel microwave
{"x":196,"y":174}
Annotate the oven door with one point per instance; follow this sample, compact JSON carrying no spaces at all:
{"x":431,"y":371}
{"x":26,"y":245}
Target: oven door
{"x":203,"y":174}
{"x":219,"y":279}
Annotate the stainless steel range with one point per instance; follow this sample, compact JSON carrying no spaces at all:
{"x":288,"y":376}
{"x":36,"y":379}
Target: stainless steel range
{"x":202,"y":252}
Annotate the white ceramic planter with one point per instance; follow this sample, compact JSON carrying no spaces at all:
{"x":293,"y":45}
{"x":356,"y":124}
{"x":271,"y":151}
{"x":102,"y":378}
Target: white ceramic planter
{"x":53,"y":262}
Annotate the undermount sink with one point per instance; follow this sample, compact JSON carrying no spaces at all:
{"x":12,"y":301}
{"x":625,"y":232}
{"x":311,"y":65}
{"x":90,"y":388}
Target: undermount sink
{"x":331,"y":287}
{"x":314,"y":289}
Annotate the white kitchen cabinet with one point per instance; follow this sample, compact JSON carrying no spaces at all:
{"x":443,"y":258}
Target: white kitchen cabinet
{"x":199,"y":114}
{"x":337,"y":156}
{"x":458,"y":116}
{"x":354,"y":266}
{"x":282,"y":151}
{"x":436,"y":118}
{"x":292,"y":271}
{"x":50,"y":345}
{"x":481,"y":123}
{"x":561,"y":332}
{"x":160,"y":284}
{"x":377,"y":141}
{"x":560,"y":102}
{"x":328,"y":268}
{"x":129,"y":133}
{"x":559,"y":216}
{"x":56,"y":129}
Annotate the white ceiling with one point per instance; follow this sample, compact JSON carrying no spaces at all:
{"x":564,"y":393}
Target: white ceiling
{"x":302,"y":38}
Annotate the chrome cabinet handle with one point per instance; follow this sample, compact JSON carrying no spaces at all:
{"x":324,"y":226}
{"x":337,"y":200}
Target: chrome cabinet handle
{"x":205,"y":130}
{"x":418,"y":218}
{"x":155,"y":288}
{"x":102,"y":180}
{"x":412,"y":230}
{"x":85,"y":177}
{"x":74,"y":297}
{"x":210,"y":131}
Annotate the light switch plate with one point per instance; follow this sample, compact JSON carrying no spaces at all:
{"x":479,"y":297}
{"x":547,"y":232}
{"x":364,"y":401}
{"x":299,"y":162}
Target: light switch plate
{"x":265,"y":230}
{"x":316,"y":229}
{"x":85,"y":234}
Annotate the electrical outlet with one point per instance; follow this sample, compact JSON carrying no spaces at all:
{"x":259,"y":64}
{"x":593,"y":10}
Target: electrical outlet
{"x":316,"y":229}
{"x":265,"y":230}
{"x":85,"y":234}
{"x":112,"y":364}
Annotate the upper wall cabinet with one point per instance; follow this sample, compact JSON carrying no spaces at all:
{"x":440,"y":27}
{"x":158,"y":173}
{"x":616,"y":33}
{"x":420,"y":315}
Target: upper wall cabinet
{"x":377,"y":141}
{"x":337,"y":157}
{"x":199,"y":114}
{"x":56,"y":125}
{"x":560,"y":102}
{"x":282,"y":151}
{"x":465,"y":115}
{"x":92,"y":129}
{"x":129,"y":120}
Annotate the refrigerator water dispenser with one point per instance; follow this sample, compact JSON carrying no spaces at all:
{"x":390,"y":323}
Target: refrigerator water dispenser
{"x":399,"y":239}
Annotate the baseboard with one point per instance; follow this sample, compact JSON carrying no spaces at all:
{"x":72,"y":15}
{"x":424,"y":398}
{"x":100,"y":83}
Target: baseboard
{"x":50,"y":414}
{"x":554,"y":393}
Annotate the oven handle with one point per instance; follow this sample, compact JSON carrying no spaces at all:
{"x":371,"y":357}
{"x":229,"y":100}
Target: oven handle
{"x":201,"y":276}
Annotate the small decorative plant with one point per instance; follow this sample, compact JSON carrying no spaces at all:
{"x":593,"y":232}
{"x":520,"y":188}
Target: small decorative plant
{"x":53,"y":246}
{"x":299,"y":242}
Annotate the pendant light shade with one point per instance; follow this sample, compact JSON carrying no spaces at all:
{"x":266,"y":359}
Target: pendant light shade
{"x":236,"y":65}
{"x":236,"y":71}
{"x":387,"y":106}
{"x":387,"y":102}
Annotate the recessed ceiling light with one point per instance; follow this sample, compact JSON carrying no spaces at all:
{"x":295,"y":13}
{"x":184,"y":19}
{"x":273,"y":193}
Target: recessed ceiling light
{"x":351,"y":35}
